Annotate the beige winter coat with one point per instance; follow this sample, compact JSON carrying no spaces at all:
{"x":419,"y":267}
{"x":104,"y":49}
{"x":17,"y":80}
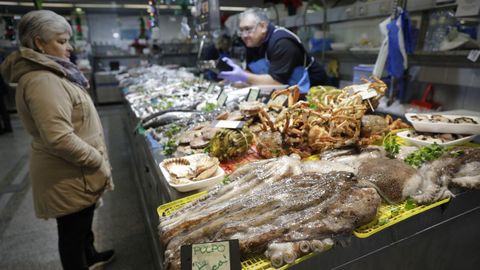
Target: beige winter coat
{"x":69,"y":164}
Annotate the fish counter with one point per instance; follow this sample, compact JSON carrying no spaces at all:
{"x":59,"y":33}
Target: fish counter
{"x":318,"y":204}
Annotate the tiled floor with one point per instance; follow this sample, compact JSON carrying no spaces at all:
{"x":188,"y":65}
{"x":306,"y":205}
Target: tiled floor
{"x":30,"y":243}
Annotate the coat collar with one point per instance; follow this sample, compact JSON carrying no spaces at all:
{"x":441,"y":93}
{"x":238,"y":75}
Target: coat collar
{"x":25,"y":60}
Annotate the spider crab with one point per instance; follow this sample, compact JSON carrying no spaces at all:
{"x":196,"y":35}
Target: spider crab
{"x":318,"y":125}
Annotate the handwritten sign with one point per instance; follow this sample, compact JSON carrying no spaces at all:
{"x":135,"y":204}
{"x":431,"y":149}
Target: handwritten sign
{"x":214,"y":256}
{"x":211,"y":256}
{"x":253,"y":94}
{"x":222,"y":99}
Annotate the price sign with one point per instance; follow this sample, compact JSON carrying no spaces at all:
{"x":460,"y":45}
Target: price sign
{"x":211,"y":256}
{"x":164,"y":79}
{"x":253,"y":94}
{"x":222,"y":99}
{"x":279,"y":101}
{"x":473,"y":55}
{"x":210,"y":88}
{"x":228,"y":124}
{"x":364,"y":90}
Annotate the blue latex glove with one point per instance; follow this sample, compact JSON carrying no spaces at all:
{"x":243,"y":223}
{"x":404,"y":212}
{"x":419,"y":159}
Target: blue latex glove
{"x":236,"y":75}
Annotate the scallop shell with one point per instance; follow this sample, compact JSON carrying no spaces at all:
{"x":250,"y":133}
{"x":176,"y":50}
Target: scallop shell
{"x":178,"y":168}
{"x":206,"y":167}
{"x":198,"y":143}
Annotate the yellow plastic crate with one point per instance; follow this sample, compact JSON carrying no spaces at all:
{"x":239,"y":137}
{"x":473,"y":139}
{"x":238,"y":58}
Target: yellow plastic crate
{"x":395,"y":213}
{"x":167,"y":209}
{"x":254,"y":262}
{"x":260,"y":262}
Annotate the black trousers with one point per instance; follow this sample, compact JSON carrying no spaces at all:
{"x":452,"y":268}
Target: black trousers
{"x":75,"y":239}
{"x":5,"y":124}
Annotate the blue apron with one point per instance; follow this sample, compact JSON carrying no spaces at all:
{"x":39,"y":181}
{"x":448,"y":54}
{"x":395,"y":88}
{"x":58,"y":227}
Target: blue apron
{"x":299,"y":75}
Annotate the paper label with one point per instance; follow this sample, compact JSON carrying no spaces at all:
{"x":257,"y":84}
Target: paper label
{"x":222,"y":99}
{"x":364,"y":90}
{"x":210,"y":88}
{"x":280,"y":100}
{"x":473,"y":55}
{"x":211,"y":256}
{"x":253,"y":94}
{"x":228,"y":124}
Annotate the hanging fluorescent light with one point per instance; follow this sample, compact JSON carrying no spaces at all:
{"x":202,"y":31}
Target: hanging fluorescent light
{"x":233,"y":8}
{"x":135,"y":6}
{"x":59,"y":5}
{"x":113,"y":5}
{"x":168,"y":7}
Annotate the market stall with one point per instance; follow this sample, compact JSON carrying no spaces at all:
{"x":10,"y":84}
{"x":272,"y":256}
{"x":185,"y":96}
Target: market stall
{"x":387,"y":226}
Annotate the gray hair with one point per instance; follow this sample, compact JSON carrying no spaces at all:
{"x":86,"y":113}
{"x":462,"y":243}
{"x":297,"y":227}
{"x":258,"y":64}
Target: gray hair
{"x":41,"y":23}
{"x":259,"y":14}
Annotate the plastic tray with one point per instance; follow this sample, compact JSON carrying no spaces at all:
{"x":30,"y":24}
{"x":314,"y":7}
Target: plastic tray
{"x":254,"y":262}
{"x":260,"y":262}
{"x":404,"y":136}
{"x":439,"y":127}
{"x":374,"y":226}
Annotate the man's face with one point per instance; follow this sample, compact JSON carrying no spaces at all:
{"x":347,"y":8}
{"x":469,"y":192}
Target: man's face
{"x":252,"y":32}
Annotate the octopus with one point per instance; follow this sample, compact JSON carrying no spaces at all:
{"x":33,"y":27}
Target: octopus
{"x":460,"y":167}
{"x":296,"y":213}
{"x":396,"y":181}
{"x":387,"y":176}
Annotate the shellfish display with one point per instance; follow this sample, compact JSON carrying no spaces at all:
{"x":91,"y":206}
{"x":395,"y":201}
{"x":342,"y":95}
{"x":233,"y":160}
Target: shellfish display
{"x":190,"y":168}
{"x":282,"y":206}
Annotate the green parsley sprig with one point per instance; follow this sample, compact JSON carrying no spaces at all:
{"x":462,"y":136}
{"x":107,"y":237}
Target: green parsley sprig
{"x":425,"y":154}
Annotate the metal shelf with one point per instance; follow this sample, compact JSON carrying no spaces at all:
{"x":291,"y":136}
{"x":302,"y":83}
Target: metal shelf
{"x":358,"y":11}
{"x":418,"y":58}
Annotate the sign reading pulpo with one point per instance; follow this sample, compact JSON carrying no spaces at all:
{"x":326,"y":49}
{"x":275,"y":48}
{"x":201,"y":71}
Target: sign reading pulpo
{"x":211,"y":256}
{"x":224,"y":255}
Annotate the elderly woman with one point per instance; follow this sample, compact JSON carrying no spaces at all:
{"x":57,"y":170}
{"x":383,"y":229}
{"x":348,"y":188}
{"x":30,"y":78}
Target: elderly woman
{"x":69,"y":165}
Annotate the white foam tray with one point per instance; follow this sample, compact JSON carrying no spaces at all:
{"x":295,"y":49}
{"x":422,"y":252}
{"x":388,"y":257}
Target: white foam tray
{"x":193,"y":185}
{"x":417,"y":142}
{"x":424,"y":126}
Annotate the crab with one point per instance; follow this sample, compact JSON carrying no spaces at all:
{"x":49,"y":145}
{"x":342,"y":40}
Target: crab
{"x":293,"y":93}
{"x":251,"y":108}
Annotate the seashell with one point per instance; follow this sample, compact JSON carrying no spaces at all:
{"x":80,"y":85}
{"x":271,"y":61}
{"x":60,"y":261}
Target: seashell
{"x":178,"y":168}
{"x":205,"y":162}
{"x":208,"y":133}
{"x":181,"y":181}
{"x":206,"y":167}
{"x":186,"y":137}
{"x":206,"y":173}
{"x":198,"y":143}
